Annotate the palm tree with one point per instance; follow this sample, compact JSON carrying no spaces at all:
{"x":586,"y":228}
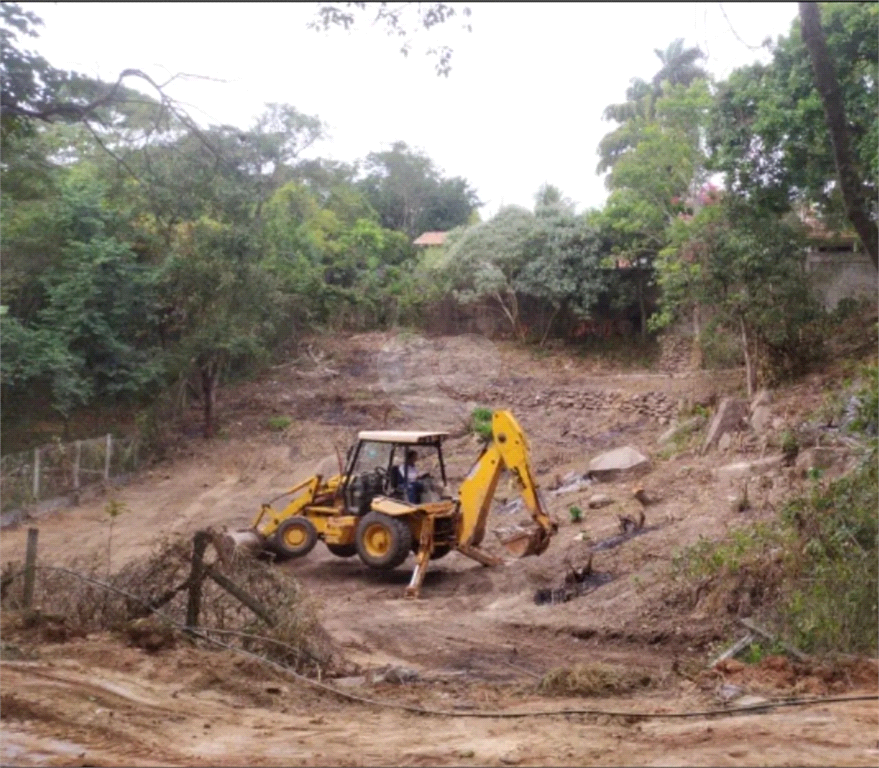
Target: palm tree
{"x":678,"y":65}
{"x":678,"y":68}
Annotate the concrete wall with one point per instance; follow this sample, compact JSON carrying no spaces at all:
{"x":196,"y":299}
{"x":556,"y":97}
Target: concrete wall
{"x":842,"y":274}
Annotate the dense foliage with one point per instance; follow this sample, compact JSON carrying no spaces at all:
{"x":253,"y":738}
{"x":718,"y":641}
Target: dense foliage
{"x":145,"y":253}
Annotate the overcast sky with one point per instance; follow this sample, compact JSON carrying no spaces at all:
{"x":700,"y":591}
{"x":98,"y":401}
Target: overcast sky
{"x":522,"y":105}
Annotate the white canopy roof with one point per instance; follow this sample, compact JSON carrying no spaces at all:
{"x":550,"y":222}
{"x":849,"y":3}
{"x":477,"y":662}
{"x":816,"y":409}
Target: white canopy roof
{"x":403,"y":436}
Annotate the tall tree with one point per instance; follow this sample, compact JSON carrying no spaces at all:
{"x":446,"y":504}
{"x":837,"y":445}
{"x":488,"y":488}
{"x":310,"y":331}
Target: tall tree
{"x":679,"y":65}
{"x":486,"y":261}
{"x":678,"y":68}
{"x":747,"y":265}
{"x":769,"y":131}
{"x":850,"y":177}
{"x":411,"y":195}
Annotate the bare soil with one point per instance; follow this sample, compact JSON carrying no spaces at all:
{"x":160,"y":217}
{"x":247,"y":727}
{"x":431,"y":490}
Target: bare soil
{"x":624,"y":659}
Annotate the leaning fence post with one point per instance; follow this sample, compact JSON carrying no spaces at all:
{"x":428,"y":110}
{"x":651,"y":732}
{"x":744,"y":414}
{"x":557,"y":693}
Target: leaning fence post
{"x":107,"y":456}
{"x":196,"y":576}
{"x":30,"y":566}
{"x":36,"y":473}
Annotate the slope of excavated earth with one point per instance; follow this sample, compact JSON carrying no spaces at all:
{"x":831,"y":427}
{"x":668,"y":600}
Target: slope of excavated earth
{"x":476,"y":642}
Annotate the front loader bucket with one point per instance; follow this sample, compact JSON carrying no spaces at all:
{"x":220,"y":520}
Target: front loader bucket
{"x":248,"y":540}
{"x":524,"y":542}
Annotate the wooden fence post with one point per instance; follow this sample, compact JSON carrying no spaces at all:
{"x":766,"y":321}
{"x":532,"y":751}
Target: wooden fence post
{"x":107,"y":457}
{"x":77,"y":454}
{"x":196,"y":576}
{"x":36,"y":473}
{"x":30,"y":566}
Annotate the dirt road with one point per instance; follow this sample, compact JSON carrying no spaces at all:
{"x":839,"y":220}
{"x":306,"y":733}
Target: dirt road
{"x":453,"y":678}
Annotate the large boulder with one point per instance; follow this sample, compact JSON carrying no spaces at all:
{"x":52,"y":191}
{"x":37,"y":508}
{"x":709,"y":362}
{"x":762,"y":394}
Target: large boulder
{"x":732,"y":416}
{"x":761,"y":412}
{"x":621,"y":462}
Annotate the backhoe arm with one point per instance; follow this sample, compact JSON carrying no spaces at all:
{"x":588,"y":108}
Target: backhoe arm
{"x":508,"y":450}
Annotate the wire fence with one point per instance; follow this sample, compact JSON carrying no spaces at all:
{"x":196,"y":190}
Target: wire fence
{"x":58,"y":469}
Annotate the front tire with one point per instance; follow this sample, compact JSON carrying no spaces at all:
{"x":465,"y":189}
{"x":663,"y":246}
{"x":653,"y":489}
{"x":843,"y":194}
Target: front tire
{"x":343,"y":550}
{"x":383,"y":542}
{"x":295,"y":537}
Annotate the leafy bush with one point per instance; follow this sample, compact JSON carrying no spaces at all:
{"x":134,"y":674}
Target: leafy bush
{"x":814,"y":571}
{"x":832,"y":564}
{"x":867,"y":411}
{"x":480,"y":422}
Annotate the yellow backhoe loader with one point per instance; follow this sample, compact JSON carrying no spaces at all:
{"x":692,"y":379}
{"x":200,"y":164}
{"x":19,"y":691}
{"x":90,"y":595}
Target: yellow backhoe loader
{"x":374,"y":509}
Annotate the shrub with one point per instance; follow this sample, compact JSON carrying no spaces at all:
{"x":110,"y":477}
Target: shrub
{"x":480,"y":422}
{"x":832,"y":564}
{"x":280,"y":423}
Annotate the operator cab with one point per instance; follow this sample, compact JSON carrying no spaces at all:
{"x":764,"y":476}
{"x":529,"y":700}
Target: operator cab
{"x":375,"y":465}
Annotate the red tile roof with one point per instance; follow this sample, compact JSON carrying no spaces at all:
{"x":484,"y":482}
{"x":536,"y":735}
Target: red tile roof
{"x":431,"y":238}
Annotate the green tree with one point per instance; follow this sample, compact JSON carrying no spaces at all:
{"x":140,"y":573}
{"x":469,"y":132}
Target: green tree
{"x":486,"y":261}
{"x":653,"y":182}
{"x":410,"y":194}
{"x":769,"y":133}
{"x":747,"y":267}
{"x":849,"y":175}
{"x":93,"y":310}
{"x":565,"y":263}
{"x":679,"y":69}
{"x":223,"y":307}
{"x":678,"y":65}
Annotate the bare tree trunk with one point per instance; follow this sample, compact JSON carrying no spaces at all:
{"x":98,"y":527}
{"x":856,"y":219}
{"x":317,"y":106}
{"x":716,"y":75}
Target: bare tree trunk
{"x":548,"y":328}
{"x":696,"y":351}
{"x":208,"y":388}
{"x":642,"y":306}
{"x":750,"y":373}
{"x":850,"y":183}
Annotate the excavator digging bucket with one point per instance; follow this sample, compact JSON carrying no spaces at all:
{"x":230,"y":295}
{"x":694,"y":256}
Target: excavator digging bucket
{"x":524,"y":542}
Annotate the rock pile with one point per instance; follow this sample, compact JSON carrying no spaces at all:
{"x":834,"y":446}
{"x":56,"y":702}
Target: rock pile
{"x":654,"y":405}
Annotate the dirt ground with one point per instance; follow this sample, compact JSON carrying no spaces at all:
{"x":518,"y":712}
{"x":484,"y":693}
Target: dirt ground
{"x":469,"y":655}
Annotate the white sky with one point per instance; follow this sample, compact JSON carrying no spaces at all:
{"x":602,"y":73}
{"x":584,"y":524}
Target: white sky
{"x":522,"y":105}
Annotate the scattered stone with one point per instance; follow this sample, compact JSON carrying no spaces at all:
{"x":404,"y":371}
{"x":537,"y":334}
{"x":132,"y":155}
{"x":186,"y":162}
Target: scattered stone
{"x":512,"y":507}
{"x":151,"y":634}
{"x":599,"y":500}
{"x":752,"y":701}
{"x":761,"y":419}
{"x":395,"y":676}
{"x":729,"y":692}
{"x":731,"y":416}
{"x":645,"y":499}
{"x":762,"y":399}
{"x":745,"y":468}
{"x":723,"y":445}
{"x":579,"y":484}
{"x":629,"y":523}
{"x":818,"y":458}
{"x":618,"y":463}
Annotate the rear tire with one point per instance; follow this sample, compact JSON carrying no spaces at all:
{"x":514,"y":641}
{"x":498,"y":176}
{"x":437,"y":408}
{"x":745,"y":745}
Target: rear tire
{"x":383,"y":542}
{"x":343,"y":550}
{"x":295,"y":537}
